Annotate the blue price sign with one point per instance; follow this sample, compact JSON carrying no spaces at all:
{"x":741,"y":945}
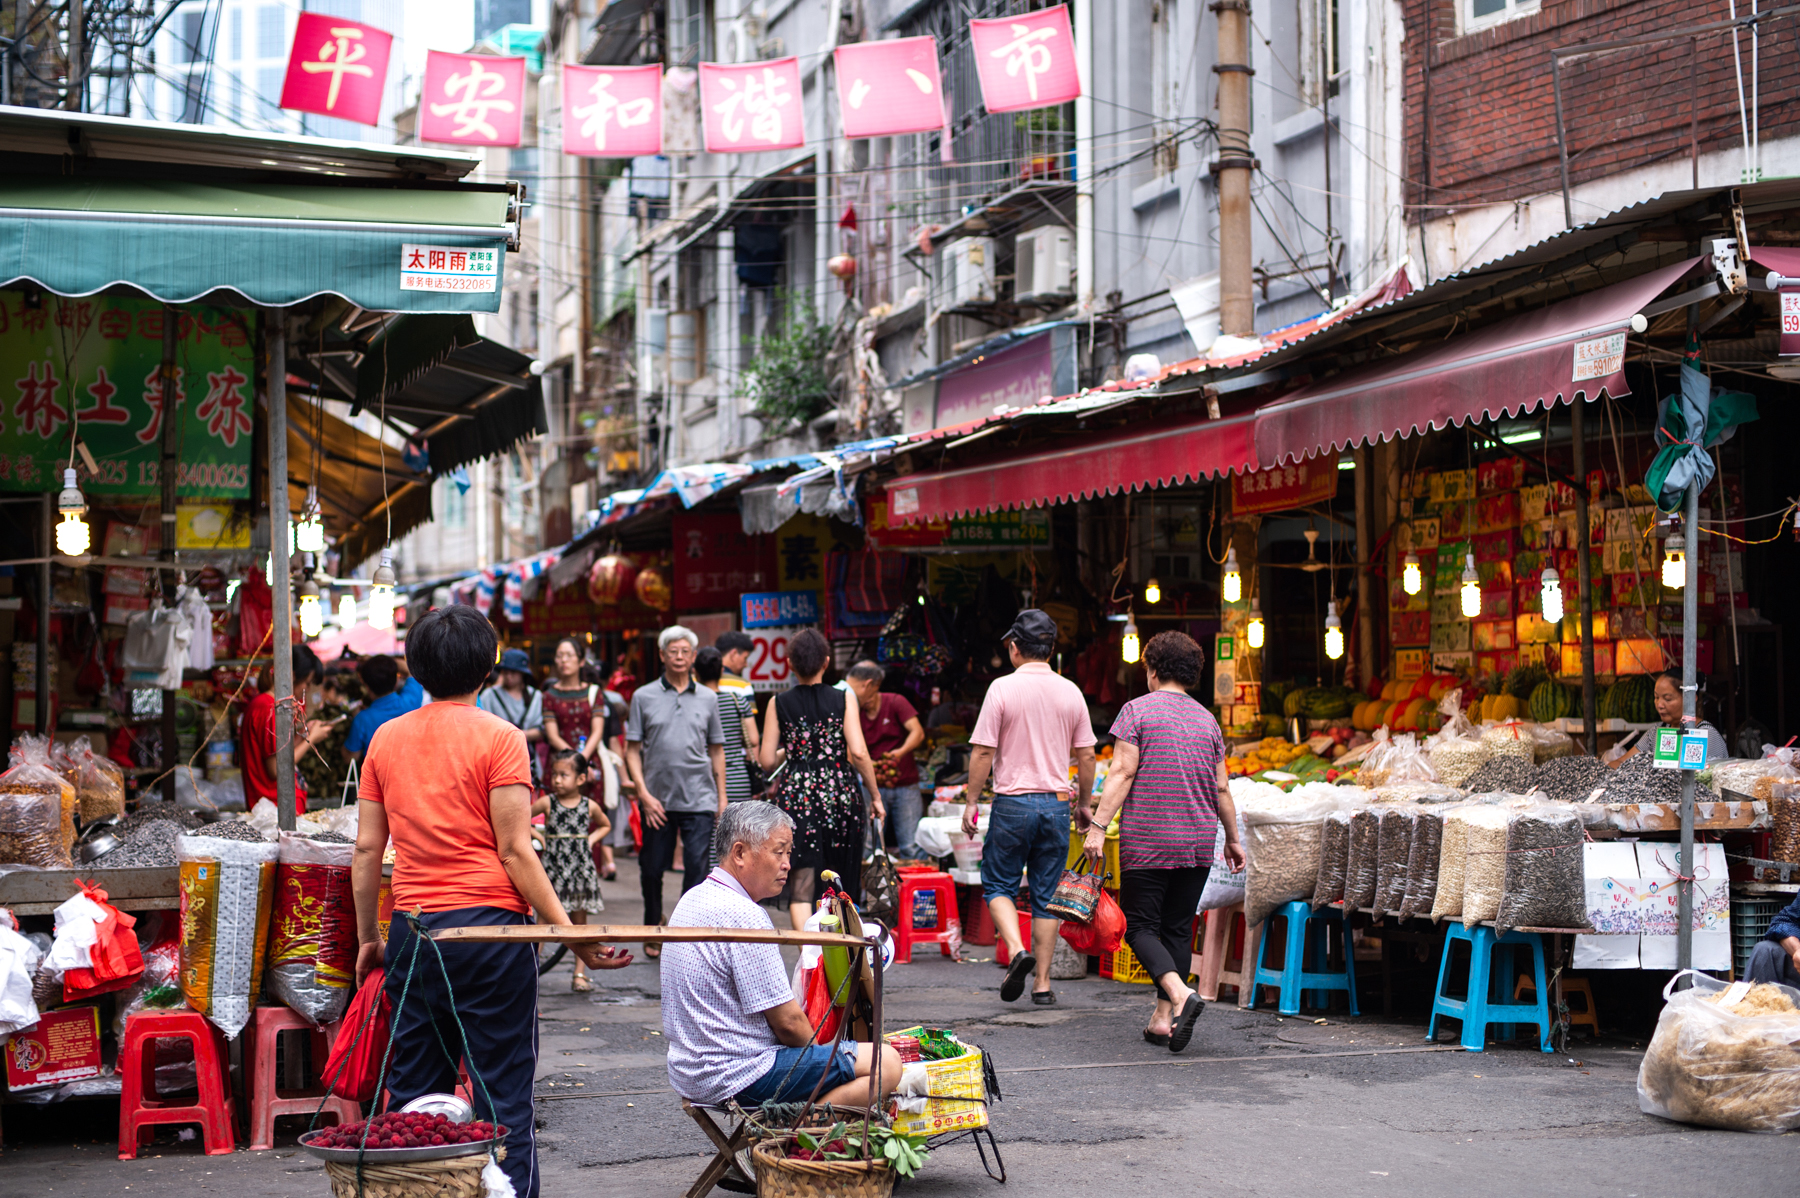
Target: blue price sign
{"x":778,"y":609}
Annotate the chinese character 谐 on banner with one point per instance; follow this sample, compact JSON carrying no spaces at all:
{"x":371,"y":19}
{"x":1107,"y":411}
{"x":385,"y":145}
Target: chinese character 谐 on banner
{"x":472,"y":99}
{"x":1027,"y":61}
{"x":888,"y":88}
{"x":612,"y":112}
{"x":752,"y":106}
{"x":337,"y":68}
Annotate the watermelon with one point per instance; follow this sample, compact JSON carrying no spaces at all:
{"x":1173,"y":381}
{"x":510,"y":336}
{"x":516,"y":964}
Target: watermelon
{"x":1523,"y":680}
{"x":1634,"y":699}
{"x":1551,"y":701}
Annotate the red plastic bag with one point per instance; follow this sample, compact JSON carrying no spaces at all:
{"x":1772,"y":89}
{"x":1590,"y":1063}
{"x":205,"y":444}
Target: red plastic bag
{"x":1101,"y":935}
{"x":818,"y":1006}
{"x":354,"y":1066}
{"x":116,"y":960}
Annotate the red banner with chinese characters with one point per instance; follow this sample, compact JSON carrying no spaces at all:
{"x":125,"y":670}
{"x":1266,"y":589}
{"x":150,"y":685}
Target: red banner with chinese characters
{"x":752,"y":106}
{"x":1790,"y":321}
{"x":612,"y":112}
{"x":716,"y":561}
{"x":1285,"y":487}
{"x":888,"y":88}
{"x":337,"y":68}
{"x":472,"y":99}
{"x":1027,"y":61}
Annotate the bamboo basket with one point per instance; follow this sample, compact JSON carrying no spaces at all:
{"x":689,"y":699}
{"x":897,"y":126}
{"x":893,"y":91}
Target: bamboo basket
{"x":779,"y":1177}
{"x":456,"y":1177}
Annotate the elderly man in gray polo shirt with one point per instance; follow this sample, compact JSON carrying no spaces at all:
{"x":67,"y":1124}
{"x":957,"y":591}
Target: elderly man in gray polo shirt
{"x":675,"y":752}
{"x":729,"y":1014}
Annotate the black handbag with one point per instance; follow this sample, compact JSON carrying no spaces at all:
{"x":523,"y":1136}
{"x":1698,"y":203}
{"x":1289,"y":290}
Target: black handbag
{"x":880,"y":882}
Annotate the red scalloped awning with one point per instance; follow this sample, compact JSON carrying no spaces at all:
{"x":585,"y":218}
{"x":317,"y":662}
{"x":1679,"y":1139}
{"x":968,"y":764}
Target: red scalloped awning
{"x":1191,"y":452}
{"x":1569,"y":348}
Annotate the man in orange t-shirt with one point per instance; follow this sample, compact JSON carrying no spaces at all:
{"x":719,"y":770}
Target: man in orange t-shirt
{"x":452,"y":785}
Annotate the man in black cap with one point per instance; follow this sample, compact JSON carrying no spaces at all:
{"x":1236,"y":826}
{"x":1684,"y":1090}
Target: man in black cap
{"x":1032,"y":721}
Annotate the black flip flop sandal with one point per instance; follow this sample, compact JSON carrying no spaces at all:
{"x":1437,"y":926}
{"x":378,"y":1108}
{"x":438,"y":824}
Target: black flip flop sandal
{"x":1183,"y":1028}
{"x":1014,"y":985}
{"x":1160,"y":1039}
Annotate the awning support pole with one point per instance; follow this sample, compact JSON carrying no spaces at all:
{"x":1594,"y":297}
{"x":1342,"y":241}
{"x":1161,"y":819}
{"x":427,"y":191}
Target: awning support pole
{"x":167,"y":470}
{"x":1690,"y":710}
{"x":1360,"y":482}
{"x":281,"y":640}
{"x":41,"y":705}
{"x":1584,"y":577}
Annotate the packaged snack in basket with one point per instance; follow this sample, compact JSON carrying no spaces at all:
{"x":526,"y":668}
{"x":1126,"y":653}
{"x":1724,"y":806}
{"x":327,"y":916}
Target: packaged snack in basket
{"x":37,"y":809}
{"x":226,"y":890}
{"x":312,"y":922}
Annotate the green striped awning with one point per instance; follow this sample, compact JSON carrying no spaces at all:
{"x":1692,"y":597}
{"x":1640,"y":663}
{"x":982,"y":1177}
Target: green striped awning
{"x":432,"y":248}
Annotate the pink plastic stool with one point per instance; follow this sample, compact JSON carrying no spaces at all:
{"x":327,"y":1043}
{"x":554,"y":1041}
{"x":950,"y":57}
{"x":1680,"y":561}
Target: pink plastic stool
{"x":1225,"y":928}
{"x":267,"y":1096}
{"x":139,"y":1107}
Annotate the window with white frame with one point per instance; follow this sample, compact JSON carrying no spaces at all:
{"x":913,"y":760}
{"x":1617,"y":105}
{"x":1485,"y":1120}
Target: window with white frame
{"x":1475,"y":15}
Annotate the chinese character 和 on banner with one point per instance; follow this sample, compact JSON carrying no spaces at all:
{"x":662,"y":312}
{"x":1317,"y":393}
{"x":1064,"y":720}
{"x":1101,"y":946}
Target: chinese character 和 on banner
{"x":612,"y":112}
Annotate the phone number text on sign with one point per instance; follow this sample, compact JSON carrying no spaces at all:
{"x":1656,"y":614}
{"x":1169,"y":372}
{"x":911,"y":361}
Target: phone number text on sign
{"x":768,"y":669}
{"x":448,"y":268}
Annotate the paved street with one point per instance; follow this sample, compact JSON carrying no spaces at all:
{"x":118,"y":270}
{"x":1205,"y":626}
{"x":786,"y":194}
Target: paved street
{"x":1258,"y":1105}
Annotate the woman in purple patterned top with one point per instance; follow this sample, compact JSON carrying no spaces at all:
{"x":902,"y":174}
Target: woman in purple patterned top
{"x":1168,"y":775}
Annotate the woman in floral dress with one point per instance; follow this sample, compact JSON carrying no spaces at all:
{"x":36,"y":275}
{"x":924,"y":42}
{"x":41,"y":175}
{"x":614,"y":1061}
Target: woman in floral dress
{"x":818,"y":729}
{"x":576,"y":717}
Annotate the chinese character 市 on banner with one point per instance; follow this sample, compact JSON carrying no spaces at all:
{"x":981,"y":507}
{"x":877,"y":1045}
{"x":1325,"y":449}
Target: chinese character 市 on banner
{"x":472,"y":99}
{"x":755,"y":106}
{"x":888,"y":88}
{"x":612,"y":112}
{"x":337,"y":68}
{"x":1027,"y":61}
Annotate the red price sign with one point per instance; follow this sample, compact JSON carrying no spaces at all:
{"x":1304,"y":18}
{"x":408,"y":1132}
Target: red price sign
{"x":768,"y":669}
{"x":1790,"y":321}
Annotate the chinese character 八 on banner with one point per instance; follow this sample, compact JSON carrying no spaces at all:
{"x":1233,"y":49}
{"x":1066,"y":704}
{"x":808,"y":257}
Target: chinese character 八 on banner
{"x":889,"y":88}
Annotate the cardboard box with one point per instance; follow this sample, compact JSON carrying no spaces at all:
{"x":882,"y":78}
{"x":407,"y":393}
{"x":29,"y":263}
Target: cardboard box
{"x":63,"y":1047}
{"x":1533,"y":629}
{"x":1638,"y":655}
{"x":1502,"y":474}
{"x":1409,"y":664}
{"x":1248,"y":692}
{"x":1493,"y":636}
{"x":1501,"y":664}
{"x":1604,"y":660}
{"x":1452,"y":636}
{"x":1571,"y":626}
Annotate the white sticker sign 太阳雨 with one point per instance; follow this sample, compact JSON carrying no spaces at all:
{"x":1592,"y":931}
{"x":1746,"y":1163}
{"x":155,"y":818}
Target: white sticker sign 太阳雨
{"x":448,"y":268}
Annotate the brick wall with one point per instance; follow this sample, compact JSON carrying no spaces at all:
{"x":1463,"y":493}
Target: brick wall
{"x":1480,"y":109}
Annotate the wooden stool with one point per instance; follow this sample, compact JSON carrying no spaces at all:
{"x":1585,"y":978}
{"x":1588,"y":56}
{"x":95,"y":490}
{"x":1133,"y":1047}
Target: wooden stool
{"x":268,"y":1098}
{"x":730,"y":1167}
{"x":1588,"y":1016}
{"x":139,"y":1107}
{"x":1212,"y":966}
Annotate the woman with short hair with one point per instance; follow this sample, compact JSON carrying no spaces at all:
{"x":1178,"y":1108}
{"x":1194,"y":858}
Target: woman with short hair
{"x":1167,"y":785}
{"x":818,"y":730}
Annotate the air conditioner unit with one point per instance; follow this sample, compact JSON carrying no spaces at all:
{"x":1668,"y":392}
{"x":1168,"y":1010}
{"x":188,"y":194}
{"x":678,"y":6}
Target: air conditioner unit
{"x":652,"y":348}
{"x":968,"y":272}
{"x":1043,"y":265}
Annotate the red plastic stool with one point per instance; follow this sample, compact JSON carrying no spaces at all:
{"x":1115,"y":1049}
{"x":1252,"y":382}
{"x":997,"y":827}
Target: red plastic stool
{"x":268,"y":1098}
{"x":140,"y":1108}
{"x":948,"y":926}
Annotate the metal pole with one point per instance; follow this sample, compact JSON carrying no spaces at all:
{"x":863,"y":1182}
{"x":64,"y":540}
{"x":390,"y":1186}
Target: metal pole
{"x":1365,"y":590}
{"x":167,"y":471}
{"x":1584,"y":577}
{"x":281,"y":642}
{"x":1562,"y":138}
{"x":77,"y":55}
{"x":1690,"y":616}
{"x":41,"y":708}
{"x":1237,"y":306}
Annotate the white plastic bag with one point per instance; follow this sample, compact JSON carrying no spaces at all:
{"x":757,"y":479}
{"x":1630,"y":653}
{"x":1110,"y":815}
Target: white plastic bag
{"x":1725,"y":1056}
{"x":75,"y":934}
{"x":1223,"y":888}
{"x":19,"y":960}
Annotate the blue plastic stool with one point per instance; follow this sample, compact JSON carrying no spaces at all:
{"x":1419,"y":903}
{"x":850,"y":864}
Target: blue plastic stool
{"x":1292,"y":977}
{"x":1490,"y":962}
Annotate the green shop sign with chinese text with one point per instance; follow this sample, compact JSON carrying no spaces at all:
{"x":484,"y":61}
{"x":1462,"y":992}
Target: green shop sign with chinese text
{"x":89,"y":368}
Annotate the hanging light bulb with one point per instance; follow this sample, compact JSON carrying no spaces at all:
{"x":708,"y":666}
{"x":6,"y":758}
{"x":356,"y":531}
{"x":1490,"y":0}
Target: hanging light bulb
{"x":381,"y":595}
{"x":1253,"y":631}
{"x":269,"y":570}
{"x":1411,"y":579}
{"x":1471,"y":588}
{"x":347,"y":610}
{"x":309,"y":534}
{"x":72,"y":533}
{"x":1129,"y":648}
{"x":1233,"y":587}
{"x":1152,"y":591}
{"x":312,"y":612}
{"x":1674,"y":570}
{"x":1552,"y":596}
{"x":1334,"y":632}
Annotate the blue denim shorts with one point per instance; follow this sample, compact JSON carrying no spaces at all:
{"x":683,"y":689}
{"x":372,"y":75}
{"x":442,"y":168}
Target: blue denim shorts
{"x":813,"y":1061}
{"x":1028,"y":832}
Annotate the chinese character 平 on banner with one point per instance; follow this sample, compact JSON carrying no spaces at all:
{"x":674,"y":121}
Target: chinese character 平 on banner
{"x":337,"y":68}
{"x":612,"y":112}
{"x":472,"y":99}
{"x":1027,"y":61}
{"x":889,"y":88}
{"x":752,"y":106}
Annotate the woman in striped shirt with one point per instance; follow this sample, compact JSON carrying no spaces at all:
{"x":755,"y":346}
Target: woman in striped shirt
{"x":1168,"y":775}
{"x":737,"y":716}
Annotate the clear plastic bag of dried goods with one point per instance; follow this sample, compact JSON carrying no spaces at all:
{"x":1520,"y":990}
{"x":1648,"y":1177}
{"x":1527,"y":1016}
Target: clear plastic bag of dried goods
{"x":312,"y":928}
{"x":37,"y":809}
{"x":1784,"y":818}
{"x":1511,"y":738}
{"x":1373,"y":771}
{"x":1779,"y":770}
{"x":1484,"y":862}
{"x":1543,"y":885}
{"x":99,"y":788}
{"x":1359,"y":870}
{"x":1393,"y":854}
{"x":1334,"y":859}
{"x":1455,"y":749}
{"x":1282,"y":840}
{"x":226,"y":889}
{"x":1422,"y":861}
{"x":1725,"y":1055}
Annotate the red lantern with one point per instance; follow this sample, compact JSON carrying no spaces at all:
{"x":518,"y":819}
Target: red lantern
{"x":842,"y":265}
{"x":653,"y":589}
{"x":610,"y":579}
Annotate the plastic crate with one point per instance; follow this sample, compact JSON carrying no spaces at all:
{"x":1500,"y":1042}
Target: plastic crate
{"x":1122,"y":966}
{"x":1750,"y":919}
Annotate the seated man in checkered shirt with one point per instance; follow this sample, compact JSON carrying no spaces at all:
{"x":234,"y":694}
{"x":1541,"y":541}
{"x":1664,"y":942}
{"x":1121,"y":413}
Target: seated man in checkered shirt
{"x":729,"y":1013}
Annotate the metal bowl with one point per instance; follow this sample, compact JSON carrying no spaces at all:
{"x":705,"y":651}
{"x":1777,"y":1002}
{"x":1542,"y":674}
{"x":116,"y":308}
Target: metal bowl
{"x":381,"y":1156}
{"x":451,"y":1107}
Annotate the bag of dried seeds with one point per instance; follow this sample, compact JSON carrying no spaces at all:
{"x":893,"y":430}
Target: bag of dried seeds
{"x":1393,"y":855}
{"x":1779,"y":770}
{"x":226,"y":889}
{"x":1784,"y":815}
{"x":1543,"y":883}
{"x":37,"y":809}
{"x":1422,"y":862}
{"x":1359,"y":871}
{"x":1484,"y":864}
{"x":1547,"y":743}
{"x":1334,"y":859}
{"x":1453,"y":854}
{"x":99,"y":783}
{"x":1282,"y":838}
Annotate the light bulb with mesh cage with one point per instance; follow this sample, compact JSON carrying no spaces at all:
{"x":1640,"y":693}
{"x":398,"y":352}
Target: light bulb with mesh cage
{"x":1674,"y":567}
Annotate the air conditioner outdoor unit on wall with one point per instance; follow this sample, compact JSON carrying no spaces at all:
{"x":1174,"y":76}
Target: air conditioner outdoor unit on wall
{"x":1043,"y":265}
{"x":968,"y":272}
